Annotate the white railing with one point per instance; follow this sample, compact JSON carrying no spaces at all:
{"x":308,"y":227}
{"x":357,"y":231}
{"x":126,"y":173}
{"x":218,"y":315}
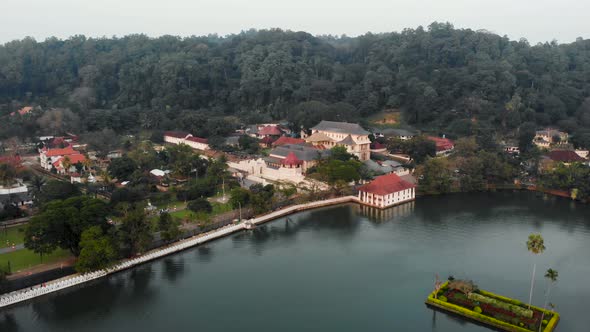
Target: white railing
{"x":77,"y":279}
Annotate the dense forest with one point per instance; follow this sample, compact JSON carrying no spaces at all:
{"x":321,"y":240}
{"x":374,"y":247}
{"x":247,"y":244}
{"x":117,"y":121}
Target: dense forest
{"x":455,"y":81}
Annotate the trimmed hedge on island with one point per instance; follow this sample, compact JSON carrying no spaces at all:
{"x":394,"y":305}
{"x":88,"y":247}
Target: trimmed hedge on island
{"x":440,"y":300}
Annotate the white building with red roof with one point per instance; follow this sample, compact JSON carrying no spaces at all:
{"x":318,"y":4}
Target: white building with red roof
{"x":48,"y":156}
{"x":177,"y":137}
{"x":387,"y":190}
{"x":67,"y":164}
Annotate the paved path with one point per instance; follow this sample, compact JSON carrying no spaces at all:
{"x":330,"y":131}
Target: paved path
{"x":9,"y":249}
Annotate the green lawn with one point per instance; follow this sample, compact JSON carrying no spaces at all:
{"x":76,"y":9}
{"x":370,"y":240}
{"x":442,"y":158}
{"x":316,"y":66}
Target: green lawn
{"x":12,"y":235}
{"x":23,"y":259}
{"x":219,"y":208}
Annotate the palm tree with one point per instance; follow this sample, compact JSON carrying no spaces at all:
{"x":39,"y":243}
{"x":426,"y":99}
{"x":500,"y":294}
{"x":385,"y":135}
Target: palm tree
{"x":551,"y":275}
{"x":66,"y":163}
{"x":536,"y":245}
{"x":37,"y":183}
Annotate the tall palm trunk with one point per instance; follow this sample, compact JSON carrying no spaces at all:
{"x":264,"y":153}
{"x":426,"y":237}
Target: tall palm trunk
{"x":532,"y":281}
{"x":545,"y":306}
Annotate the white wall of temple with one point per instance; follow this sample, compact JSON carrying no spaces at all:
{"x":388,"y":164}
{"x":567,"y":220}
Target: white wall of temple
{"x":173,"y":140}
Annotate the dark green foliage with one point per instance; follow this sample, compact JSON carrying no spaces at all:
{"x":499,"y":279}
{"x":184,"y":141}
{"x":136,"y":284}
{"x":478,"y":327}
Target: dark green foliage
{"x":135,"y":231}
{"x":200,"y":205}
{"x":55,"y":190}
{"x":418,"y":148}
{"x":61,"y":223}
{"x":197,"y":189}
{"x":122,"y":168}
{"x":239,"y":197}
{"x":169,"y":227}
{"x":575,"y":177}
{"x":441,"y":77}
{"x":98,"y":250}
{"x":261,"y":197}
{"x":125,"y":194}
{"x":248,"y":144}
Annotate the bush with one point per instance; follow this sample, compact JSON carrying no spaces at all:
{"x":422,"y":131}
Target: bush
{"x":442,"y":298}
{"x":200,"y":205}
{"x":545,"y":322}
{"x":477,"y":309}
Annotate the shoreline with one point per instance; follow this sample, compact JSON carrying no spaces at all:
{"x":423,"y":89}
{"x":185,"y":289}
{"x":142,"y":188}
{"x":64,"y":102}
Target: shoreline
{"x":56,"y":285}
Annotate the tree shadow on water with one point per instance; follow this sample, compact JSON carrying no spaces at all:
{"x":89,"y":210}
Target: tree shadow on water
{"x":8,"y":323}
{"x":173,"y":268}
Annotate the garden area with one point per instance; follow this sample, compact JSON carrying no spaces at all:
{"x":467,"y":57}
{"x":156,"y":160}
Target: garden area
{"x":466,"y":299}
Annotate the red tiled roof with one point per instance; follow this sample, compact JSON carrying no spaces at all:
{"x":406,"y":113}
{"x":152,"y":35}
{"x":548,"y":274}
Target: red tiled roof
{"x":267,"y":140}
{"x":386,"y":184}
{"x":288,"y":140}
{"x":291,"y":159}
{"x":442,"y":144}
{"x":565,"y":156}
{"x":23,"y":110}
{"x":74,"y":159}
{"x":197,"y":139}
{"x":270,"y":131}
{"x":176,"y":134}
{"x":60,"y":152}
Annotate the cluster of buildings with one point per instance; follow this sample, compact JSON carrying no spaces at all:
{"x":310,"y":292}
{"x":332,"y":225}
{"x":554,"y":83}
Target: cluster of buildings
{"x":290,"y":158}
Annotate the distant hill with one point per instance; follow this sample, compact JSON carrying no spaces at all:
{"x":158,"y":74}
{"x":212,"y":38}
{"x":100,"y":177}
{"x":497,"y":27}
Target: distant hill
{"x":442,"y":78}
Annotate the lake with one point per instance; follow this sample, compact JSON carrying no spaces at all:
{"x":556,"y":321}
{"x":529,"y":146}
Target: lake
{"x":343,"y":268}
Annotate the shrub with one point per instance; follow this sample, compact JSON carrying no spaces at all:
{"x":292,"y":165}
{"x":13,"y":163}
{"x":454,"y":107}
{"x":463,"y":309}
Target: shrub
{"x":442,"y":298}
{"x":477,"y":309}
{"x":200,"y":205}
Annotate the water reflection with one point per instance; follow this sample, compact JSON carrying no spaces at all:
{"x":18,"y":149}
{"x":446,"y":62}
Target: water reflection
{"x":204,"y":253}
{"x":379,"y":216}
{"x":8,"y":323}
{"x":174,"y":267}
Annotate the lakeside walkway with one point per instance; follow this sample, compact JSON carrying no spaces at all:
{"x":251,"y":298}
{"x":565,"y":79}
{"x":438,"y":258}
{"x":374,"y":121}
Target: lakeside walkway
{"x":78,"y":279}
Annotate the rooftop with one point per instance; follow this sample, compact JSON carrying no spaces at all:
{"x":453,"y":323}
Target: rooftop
{"x":565,"y":156}
{"x":288,"y":140}
{"x":302,"y":152}
{"x":341,"y":127}
{"x":197,"y":139}
{"x":60,"y":152}
{"x":270,"y":131}
{"x":386,"y":184}
{"x":176,"y":134}
{"x":347,"y":141}
{"x":442,"y":144}
{"x":318,"y":137}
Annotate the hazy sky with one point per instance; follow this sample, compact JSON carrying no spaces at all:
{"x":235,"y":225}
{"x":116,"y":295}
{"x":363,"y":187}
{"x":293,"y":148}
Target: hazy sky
{"x":536,"y":20}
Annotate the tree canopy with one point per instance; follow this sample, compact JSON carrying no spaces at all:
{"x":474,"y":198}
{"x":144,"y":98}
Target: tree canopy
{"x":442,"y":78}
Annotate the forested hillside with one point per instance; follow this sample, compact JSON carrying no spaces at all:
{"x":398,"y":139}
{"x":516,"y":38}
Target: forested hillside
{"x":445,"y":79}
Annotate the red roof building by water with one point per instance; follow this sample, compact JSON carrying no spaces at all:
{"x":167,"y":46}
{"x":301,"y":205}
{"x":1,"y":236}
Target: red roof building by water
{"x":386,"y":190}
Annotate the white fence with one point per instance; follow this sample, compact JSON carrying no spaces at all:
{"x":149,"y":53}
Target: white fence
{"x":69,"y":281}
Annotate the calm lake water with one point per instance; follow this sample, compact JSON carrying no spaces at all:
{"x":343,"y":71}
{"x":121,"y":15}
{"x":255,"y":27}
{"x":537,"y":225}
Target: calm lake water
{"x":343,"y":268}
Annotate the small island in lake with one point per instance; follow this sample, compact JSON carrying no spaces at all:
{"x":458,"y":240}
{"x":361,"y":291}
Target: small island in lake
{"x":465,"y":299}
